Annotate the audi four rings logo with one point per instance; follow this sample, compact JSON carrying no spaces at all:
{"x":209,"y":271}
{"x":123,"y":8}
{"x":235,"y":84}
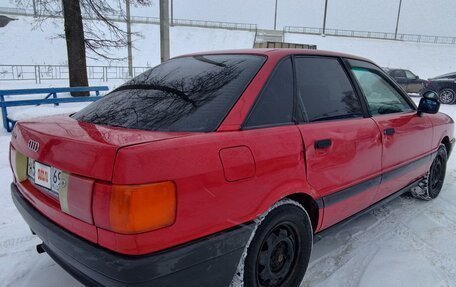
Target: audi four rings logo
{"x":33,"y":145}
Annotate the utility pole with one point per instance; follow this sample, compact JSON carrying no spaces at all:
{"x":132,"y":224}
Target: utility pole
{"x":35,"y":14}
{"x":324,"y":18}
{"x":164,"y":30}
{"x":172,"y":13}
{"x":398,"y":16}
{"x":275,"y":16}
{"x":129,"y":42}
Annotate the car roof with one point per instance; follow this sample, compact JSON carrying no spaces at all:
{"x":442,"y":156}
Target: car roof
{"x":281,"y":52}
{"x":446,"y":75}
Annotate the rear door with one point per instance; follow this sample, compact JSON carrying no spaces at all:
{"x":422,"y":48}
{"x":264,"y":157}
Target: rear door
{"x":342,"y":147}
{"x":406,"y":136}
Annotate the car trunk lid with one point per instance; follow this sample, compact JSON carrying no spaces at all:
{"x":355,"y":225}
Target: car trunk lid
{"x":79,"y":148}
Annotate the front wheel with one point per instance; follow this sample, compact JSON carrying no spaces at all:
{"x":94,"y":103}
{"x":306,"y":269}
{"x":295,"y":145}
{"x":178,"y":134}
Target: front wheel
{"x":447,"y":96}
{"x":280,"y":249}
{"x":430,"y":187}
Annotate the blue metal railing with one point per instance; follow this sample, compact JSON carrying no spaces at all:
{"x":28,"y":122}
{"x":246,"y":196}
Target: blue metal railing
{"x":50,"y":98}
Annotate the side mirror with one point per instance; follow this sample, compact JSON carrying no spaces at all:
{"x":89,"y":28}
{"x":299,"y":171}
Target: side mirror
{"x":417,"y":77}
{"x":429,"y":103}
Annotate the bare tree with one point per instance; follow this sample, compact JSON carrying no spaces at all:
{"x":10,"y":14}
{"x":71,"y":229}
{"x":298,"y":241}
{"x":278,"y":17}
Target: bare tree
{"x":94,"y":25}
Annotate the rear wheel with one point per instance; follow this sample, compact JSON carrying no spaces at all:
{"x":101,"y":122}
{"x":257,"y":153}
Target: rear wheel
{"x":279,"y":252}
{"x":447,"y":96}
{"x":430,"y":187}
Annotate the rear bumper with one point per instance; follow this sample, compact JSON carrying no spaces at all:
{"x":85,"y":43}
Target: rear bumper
{"x":211,"y":261}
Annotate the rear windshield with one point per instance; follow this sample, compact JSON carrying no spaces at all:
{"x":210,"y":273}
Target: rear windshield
{"x":183,"y":94}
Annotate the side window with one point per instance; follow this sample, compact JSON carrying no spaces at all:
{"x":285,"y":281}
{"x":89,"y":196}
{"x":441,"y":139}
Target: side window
{"x":381,"y":97}
{"x":275,"y":103}
{"x":324,"y":90}
{"x":398,"y":74}
{"x":410,"y":75}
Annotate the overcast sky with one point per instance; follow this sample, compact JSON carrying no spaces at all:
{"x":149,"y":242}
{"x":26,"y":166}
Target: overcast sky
{"x":425,"y":17}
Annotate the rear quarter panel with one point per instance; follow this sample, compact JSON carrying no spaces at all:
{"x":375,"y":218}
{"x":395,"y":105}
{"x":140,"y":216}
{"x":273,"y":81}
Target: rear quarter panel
{"x":207,"y":201}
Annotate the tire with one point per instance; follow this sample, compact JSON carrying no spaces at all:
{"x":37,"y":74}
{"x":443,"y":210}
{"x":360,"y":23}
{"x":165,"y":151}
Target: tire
{"x":430,"y":187}
{"x":447,"y":96}
{"x":279,"y":252}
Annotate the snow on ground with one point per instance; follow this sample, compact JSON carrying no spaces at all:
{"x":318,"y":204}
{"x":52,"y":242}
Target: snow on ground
{"x":22,"y":113}
{"x":407,"y":242}
{"x":425,"y":60}
{"x":27,"y":112}
{"x":24,"y":42}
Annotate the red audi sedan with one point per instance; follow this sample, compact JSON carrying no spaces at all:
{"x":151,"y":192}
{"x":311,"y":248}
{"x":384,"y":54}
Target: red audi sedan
{"x":217,"y":169}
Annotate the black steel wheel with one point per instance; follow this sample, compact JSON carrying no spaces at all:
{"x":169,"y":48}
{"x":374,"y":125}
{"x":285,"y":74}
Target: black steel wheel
{"x":431,"y":185}
{"x":280,"y":250}
{"x":447,"y":96}
{"x":437,"y":173}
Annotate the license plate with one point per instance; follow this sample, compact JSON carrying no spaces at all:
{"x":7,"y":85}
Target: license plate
{"x":45,"y":176}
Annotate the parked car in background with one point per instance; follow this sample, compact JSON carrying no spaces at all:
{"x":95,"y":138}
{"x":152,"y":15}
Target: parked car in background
{"x":410,"y":82}
{"x":444,"y":86}
{"x":445,"y":76}
{"x":223,"y":164}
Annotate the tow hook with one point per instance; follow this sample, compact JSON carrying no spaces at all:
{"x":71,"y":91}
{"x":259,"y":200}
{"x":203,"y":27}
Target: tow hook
{"x":40,"y":248}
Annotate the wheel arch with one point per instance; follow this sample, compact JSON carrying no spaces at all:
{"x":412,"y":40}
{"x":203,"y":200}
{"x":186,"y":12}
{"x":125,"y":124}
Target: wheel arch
{"x":447,"y":143}
{"x":311,"y":205}
{"x":296,"y":190}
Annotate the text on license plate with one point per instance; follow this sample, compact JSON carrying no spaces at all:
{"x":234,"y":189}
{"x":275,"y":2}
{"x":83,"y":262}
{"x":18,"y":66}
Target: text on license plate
{"x":45,"y":176}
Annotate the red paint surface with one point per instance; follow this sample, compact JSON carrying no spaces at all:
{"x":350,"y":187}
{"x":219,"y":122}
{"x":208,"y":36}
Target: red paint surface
{"x":353,"y":157}
{"x":80,"y":197}
{"x":212,"y":196}
{"x":412,"y":140}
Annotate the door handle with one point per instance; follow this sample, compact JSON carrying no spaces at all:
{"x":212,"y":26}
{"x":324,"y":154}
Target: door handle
{"x":389,"y":131}
{"x":321,"y":144}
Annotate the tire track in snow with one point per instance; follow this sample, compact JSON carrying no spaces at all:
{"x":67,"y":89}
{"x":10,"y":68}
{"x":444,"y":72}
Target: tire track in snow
{"x":385,"y":227}
{"x":16,"y":242}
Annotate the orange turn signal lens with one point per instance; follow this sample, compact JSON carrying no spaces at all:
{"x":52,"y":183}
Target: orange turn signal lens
{"x":141,"y":208}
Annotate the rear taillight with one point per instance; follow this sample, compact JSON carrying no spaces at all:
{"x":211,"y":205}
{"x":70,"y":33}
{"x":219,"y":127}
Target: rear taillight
{"x":130,"y":209}
{"x":18,"y":164}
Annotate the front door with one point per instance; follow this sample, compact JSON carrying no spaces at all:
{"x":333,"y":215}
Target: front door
{"x":414,"y":83}
{"x":342,"y":147}
{"x":400,"y":78}
{"x":406,"y":136}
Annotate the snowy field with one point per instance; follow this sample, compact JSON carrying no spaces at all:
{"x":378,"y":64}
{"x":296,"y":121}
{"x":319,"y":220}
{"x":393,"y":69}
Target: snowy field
{"x":405,"y":243}
{"x":417,"y":16}
{"x":425,"y":60}
{"x":18,"y":36}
